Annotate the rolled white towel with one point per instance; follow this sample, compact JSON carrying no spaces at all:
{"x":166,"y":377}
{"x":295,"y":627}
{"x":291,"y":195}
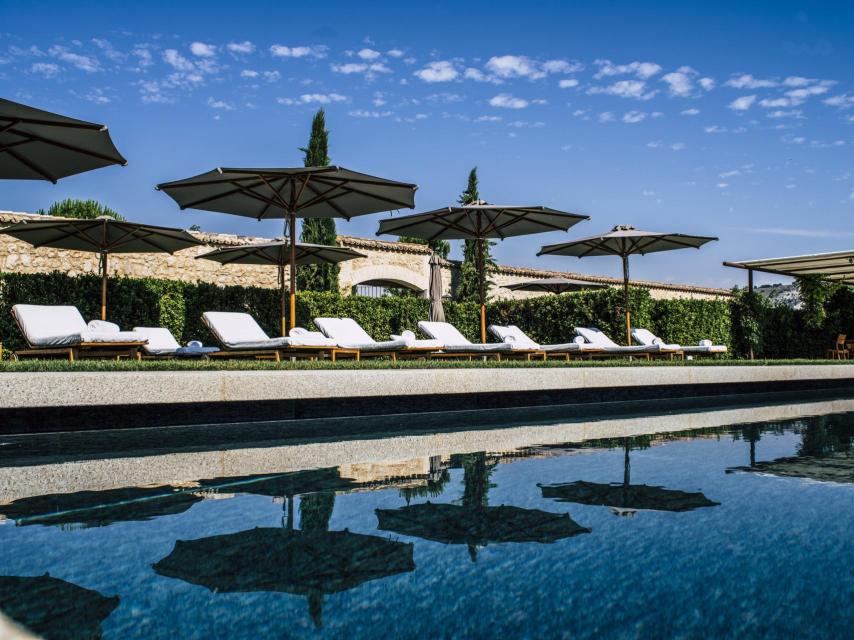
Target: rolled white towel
{"x":102,"y":326}
{"x":407,"y":336}
{"x":194,"y":344}
{"x":579,"y":340}
{"x":705,"y":343}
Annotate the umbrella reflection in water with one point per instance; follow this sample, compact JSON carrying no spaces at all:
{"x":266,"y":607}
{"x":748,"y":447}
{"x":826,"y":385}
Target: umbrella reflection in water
{"x":474,"y":523}
{"x":626,"y":498}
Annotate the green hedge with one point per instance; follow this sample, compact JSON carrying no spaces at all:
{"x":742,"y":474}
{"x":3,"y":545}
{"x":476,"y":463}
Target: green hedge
{"x":773,"y":331}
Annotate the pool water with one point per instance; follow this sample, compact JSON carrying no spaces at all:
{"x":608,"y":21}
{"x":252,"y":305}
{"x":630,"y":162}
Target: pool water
{"x":737,"y":530}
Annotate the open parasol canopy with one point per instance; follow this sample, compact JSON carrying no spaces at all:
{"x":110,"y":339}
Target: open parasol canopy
{"x":278,"y":254}
{"x":290,"y":193}
{"x":554,"y":285}
{"x":54,"y":608}
{"x":102,"y":235}
{"x":623,"y":241}
{"x":480,"y":221}
{"x":40,"y":145}
{"x":310,"y":563}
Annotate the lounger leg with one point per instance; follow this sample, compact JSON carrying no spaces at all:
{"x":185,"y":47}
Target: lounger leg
{"x":332,"y":355}
{"x":71,"y":355}
{"x":278,"y":356}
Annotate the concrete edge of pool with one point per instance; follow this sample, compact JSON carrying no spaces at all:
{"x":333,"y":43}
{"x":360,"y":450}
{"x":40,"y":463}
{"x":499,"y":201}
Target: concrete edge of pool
{"x":42,"y":402}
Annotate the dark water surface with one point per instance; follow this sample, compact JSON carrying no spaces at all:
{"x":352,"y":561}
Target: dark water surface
{"x":734,"y":530}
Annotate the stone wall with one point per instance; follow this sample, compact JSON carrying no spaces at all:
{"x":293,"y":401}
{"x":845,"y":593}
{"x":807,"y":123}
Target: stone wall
{"x":389,"y":263}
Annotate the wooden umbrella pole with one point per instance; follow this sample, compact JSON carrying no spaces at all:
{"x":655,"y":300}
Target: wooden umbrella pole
{"x":292,"y":220}
{"x":481,"y":288}
{"x":104,"y":285}
{"x":626,"y":300}
{"x":282,"y":296}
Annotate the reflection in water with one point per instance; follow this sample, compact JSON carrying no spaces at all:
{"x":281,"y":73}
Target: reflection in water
{"x":309,"y":563}
{"x":54,"y":608}
{"x":99,"y":508}
{"x":474,"y":523}
{"x":825,"y":452}
{"x":625,"y":499}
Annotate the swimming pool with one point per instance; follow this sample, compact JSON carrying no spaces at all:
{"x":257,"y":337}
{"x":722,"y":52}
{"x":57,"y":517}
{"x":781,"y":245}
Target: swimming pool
{"x":711,"y":524}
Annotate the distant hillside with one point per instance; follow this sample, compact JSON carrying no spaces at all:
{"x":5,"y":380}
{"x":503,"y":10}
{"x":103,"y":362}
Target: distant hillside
{"x":784,"y":294}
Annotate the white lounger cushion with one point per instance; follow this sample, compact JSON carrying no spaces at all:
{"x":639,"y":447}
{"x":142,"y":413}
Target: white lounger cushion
{"x":161,"y":342}
{"x":62,"y":326}
{"x":347,"y":334}
{"x":601,"y":341}
{"x":646,"y":337}
{"x":513,"y":335}
{"x":453,"y":340}
{"x":239,"y":331}
{"x":412,"y":342}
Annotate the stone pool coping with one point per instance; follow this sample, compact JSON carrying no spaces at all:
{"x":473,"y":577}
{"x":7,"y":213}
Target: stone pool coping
{"x":126,"y":388}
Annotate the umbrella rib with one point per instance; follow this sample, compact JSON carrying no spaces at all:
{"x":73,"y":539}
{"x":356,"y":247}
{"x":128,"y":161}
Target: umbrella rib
{"x":132,"y":234}
{"x":51,"y":123}
{"x":328,"y":201}
{"x":671,"y":238}
{"x":602,"y":245}
{"x":71,"y":230}
{"x":276,"y":194}
{"x":44,"y":173}
{"x":320,"y":196}
{"x":238,"y":189}
{"x":68,"y":147}
{"x":368,"y":194}
{"x":17,"y":143}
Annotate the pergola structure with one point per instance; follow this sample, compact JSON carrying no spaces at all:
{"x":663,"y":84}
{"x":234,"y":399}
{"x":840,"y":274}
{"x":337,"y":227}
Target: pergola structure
{"x":837,"y":266}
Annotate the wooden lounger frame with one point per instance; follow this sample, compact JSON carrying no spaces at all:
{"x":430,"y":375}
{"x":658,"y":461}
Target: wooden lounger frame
{"x":309,"y":352}
{"x":527,"y":354}
{"x":117,"y":350}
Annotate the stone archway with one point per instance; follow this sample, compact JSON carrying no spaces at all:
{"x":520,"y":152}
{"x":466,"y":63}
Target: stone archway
{"x":383,"y":274}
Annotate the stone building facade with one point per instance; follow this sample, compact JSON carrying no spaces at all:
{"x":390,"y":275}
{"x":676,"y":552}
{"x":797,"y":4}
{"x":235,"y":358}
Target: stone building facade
{"x":389,"y":264}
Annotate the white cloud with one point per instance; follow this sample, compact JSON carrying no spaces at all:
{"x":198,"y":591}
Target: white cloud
{"x":479,"y":76}
{"x":729,"y":174}
{"x":488,"y":119}
{"x":680,"y":82}
{"x":634,"y":117}
{"x":109,"y":51}
{"x":606,"y":116}
{"x":690,"y":112}
{"x":363,"y":113}
{"x":678,"y":146}
{"x":368,"y":54}
{"x":360,"y":67}
{"x":244,"y":48}
{"x":714,"y":129}
{"x":177,"y":61}
{"x":514,"y":67}
{"x":722,"y":185}
{"x":775,"y":103}
{"x":793,"y":113}
{"x":843,"y":101}
{"x":520,"y":124}
{"x":507,"y":101}
{"x":96,"y":95}
{"x":625,"y":89}
{"x":707,"y":83}
{"x":797,"y":96}
{"x":747,"y":81}
{"x":203,"y":50}
{"x":145,"y":59}
{"x":642,"y":70}
{"x":445,"y":98}
{"x":46,"y":69}
{"x":282,"y":51}
{"x":653,"y":144}
{"x":439,"y":71}
{"x":562,"y":66}
{"x":84,"y":63}
{"x":797,"y":81}
{"x":310,"y":98}
{"x":742,"y":104}
{"x":394,"y":53}
{"x":249,"y":73}
{"x":220,"y":104}
{"x":568,"y":83}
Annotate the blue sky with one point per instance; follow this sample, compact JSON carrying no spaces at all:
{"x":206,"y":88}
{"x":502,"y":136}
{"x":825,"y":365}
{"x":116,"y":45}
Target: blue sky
{"x":731,"y":119}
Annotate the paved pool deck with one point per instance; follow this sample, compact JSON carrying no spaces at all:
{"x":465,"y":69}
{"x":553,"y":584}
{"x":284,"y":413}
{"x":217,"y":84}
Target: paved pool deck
{"x":44,"y":402}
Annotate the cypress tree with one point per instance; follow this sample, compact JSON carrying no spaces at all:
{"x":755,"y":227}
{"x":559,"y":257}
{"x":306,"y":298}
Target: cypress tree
{"x":318,"y":277}
{"x":468,"y":287}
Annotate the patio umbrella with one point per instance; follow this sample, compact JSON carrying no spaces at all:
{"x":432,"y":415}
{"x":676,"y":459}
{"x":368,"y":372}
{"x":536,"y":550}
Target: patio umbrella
{"x":40,"y":145}
{"x":626,"y":497}
{"x":302,"y":192}
{"x":102,"y":235}
{"x":437,"y":312}
{"x":278,"y":254}
{"x":310,"y":563}
{"x":480,"y":221}
{"x":54,"y":608}
{"x":99,"y":508}
{"x":554,"y":285}
{"x":623,"y":241}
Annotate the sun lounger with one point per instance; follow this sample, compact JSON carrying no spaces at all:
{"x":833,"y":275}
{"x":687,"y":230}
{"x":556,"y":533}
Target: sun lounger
{"x":162,"y":345}
{"x":61,"y":331}
{"x":610,"y":348}
{"x":705,"y":347}
{"x":240,"y":335}
{"x":347,"y":333}
{"x":515,"y":336}
{"x":457,"y":345}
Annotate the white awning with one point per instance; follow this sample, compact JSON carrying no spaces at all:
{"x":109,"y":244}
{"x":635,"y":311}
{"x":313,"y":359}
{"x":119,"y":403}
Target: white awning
{"x":838,"y":266}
